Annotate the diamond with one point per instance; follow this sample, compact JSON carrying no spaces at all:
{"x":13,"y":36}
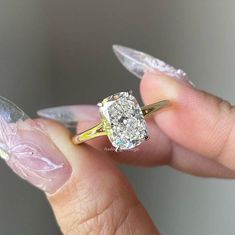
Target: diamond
{"x":123,"y":120}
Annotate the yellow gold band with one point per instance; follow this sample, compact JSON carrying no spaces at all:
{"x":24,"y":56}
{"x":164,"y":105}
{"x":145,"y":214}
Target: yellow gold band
{"x":98,"y":130}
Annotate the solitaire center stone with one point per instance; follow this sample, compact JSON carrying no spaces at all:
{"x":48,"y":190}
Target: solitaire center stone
{"x":123,"y":120}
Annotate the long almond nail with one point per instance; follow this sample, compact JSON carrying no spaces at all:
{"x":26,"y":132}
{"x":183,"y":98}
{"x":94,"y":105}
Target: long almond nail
{"x":29,"y":151}
{"x":70,"y":115}
{"x":139,"y":63}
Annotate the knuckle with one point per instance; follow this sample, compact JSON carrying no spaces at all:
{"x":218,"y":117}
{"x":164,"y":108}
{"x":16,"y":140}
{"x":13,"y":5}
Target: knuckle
{"x":94,"y":214}
{"x":114,"y":219}
{"x":225,"y":108}
{"x":124,"y":226}
{"x":225,"y":126}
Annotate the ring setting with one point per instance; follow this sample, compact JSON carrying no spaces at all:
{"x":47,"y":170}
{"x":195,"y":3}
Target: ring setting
{"x":122,"y":121}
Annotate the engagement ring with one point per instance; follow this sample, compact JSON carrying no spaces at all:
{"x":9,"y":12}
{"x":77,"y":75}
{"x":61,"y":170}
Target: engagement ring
{"x":122,"y":121}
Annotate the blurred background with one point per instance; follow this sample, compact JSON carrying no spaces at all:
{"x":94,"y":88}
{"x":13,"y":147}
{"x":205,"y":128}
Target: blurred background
{"x":51,"y":51}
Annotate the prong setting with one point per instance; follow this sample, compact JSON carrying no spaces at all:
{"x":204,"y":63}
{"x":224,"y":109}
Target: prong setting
{"x":146,"y":137}
{"x":117,"y":149}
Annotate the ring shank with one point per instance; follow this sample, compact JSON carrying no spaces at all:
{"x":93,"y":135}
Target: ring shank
{"x":91,"y":133}
{"x":98,"y":130}
{"x":151,"y":108}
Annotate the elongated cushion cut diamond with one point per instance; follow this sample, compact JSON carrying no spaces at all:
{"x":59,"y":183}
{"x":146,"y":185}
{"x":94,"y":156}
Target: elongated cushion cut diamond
{"x":123,"y":120}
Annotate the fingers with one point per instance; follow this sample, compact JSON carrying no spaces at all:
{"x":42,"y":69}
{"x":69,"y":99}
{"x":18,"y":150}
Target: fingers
{"x":97,"y":198}
{"x":197,"y":131}
{"x":197,"y":121}
{"x":160,"y":150}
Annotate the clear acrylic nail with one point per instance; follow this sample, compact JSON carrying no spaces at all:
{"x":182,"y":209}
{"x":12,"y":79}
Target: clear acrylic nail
{"x":70,"y":115}
{"x":138,"y":63}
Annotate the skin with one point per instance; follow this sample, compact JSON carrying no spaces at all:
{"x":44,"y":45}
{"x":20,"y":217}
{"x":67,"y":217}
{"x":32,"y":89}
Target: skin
{"x":195,"y":135}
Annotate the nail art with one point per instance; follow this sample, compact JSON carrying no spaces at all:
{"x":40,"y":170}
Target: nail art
{"x":138,"y":63}
{"x":29,"y":151}
{"x":70,"y":115}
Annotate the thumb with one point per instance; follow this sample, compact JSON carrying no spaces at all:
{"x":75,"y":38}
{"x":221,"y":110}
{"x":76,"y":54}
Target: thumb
{"x":97,"y":197}
{"x":197,"y":120}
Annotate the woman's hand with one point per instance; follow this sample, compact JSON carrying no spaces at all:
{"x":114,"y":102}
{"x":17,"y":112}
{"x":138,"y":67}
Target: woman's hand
{"x":195,"y":135}
{"x":88,"y":193}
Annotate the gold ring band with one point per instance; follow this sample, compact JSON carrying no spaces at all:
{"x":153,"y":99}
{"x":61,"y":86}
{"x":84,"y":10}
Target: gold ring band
{"x":99,"y":129}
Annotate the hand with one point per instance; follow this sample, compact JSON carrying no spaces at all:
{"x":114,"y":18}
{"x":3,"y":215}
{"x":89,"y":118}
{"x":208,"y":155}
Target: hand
{"x":86,"y":190}
{"x":195,"y":135}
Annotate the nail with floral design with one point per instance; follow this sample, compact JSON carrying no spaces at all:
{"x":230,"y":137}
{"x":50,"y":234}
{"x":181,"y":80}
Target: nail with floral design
{"x":29,"y":151}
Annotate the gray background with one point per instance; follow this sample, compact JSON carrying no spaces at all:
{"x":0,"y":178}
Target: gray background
{"x":50,"y":51}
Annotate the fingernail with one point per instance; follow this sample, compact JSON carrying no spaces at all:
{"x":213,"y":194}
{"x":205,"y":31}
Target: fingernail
{"x":138,"y":63}
{"x":70,"y":115}
{"x":29,"y":151}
